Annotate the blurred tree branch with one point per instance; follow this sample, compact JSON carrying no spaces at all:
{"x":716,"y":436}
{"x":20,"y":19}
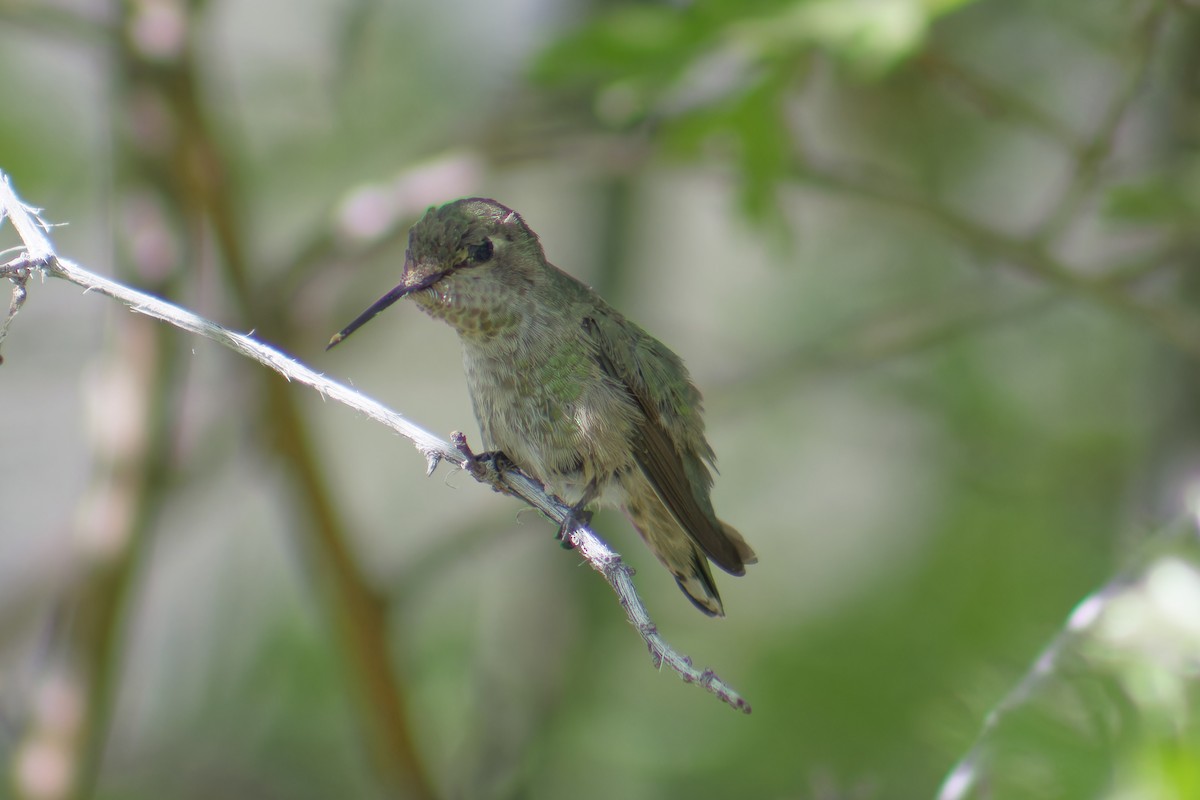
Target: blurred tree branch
{"x":1173,"y":324}
{"x":176,"y":148}
{"x":995,"y":100}
{"x":719,"y":117}
{"x":1156,"y":593}
{"x":1033,"y":254}
{"x":1096,"y":150}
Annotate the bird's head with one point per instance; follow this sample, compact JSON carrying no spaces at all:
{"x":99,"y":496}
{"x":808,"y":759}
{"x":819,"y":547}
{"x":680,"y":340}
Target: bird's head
{"x":471,"y":262}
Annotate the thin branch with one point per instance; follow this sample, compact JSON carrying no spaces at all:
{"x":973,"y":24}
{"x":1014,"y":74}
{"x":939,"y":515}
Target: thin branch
{"x":970,"y":774}
{"x":1092,"y":158}
{"x":19,"y":278}
{"x":894,"y":332}
{"x":435,"y":449}
{"x":22,"y":217}
{"x":1166,"y":257}
{"x":191,"y":176}
{"x":996,"y":100}
{"x":966,"y":774}
{"x":1171,"y":323}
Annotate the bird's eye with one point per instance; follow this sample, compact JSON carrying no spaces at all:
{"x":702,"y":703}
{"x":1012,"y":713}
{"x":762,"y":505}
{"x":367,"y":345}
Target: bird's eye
{"x":480,"y":253}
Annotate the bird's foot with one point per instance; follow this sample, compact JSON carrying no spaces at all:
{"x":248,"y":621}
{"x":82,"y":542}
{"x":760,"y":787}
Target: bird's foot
{"x":486,"y":466}
{"x":577,"y":517}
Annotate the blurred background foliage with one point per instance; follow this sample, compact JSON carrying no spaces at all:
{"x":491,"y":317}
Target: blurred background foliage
{"x":931,"y":261}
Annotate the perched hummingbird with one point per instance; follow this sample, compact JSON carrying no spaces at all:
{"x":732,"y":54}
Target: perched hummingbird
{"x":570,"y":391}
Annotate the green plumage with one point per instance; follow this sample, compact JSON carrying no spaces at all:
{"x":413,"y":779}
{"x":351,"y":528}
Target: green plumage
{"x":572,"y":392}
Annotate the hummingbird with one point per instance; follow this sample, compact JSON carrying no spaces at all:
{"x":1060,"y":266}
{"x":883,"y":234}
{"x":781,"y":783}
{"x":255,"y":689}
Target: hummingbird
{"x":568,"y":390}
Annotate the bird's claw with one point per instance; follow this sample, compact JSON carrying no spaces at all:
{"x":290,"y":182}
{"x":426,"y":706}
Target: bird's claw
{"x":486,"y":466}
{"x":576,"y":518}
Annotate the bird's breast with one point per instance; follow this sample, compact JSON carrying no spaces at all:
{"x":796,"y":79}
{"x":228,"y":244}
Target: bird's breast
{"x":552,"y":411}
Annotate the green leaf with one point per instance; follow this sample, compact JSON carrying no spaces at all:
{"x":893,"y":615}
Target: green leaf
{"x":635,"y":41}
{"x":1154,"y":199}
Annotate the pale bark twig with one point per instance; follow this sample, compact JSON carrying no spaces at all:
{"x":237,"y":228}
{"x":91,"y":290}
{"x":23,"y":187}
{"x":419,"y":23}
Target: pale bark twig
{"x":40,"y":257}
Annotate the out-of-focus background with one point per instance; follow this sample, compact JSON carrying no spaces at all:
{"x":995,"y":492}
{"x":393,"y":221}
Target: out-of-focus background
{"x":932,"y":263}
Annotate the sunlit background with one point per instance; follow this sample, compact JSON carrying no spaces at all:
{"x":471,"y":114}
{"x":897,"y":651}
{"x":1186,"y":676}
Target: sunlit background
{"x":930,"y":261}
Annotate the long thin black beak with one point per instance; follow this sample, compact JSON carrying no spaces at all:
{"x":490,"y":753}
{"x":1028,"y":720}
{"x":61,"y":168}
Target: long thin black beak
{"x":382,"y":303}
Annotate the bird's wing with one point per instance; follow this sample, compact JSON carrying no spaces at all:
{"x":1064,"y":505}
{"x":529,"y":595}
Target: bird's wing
{"x":658,"y":383}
